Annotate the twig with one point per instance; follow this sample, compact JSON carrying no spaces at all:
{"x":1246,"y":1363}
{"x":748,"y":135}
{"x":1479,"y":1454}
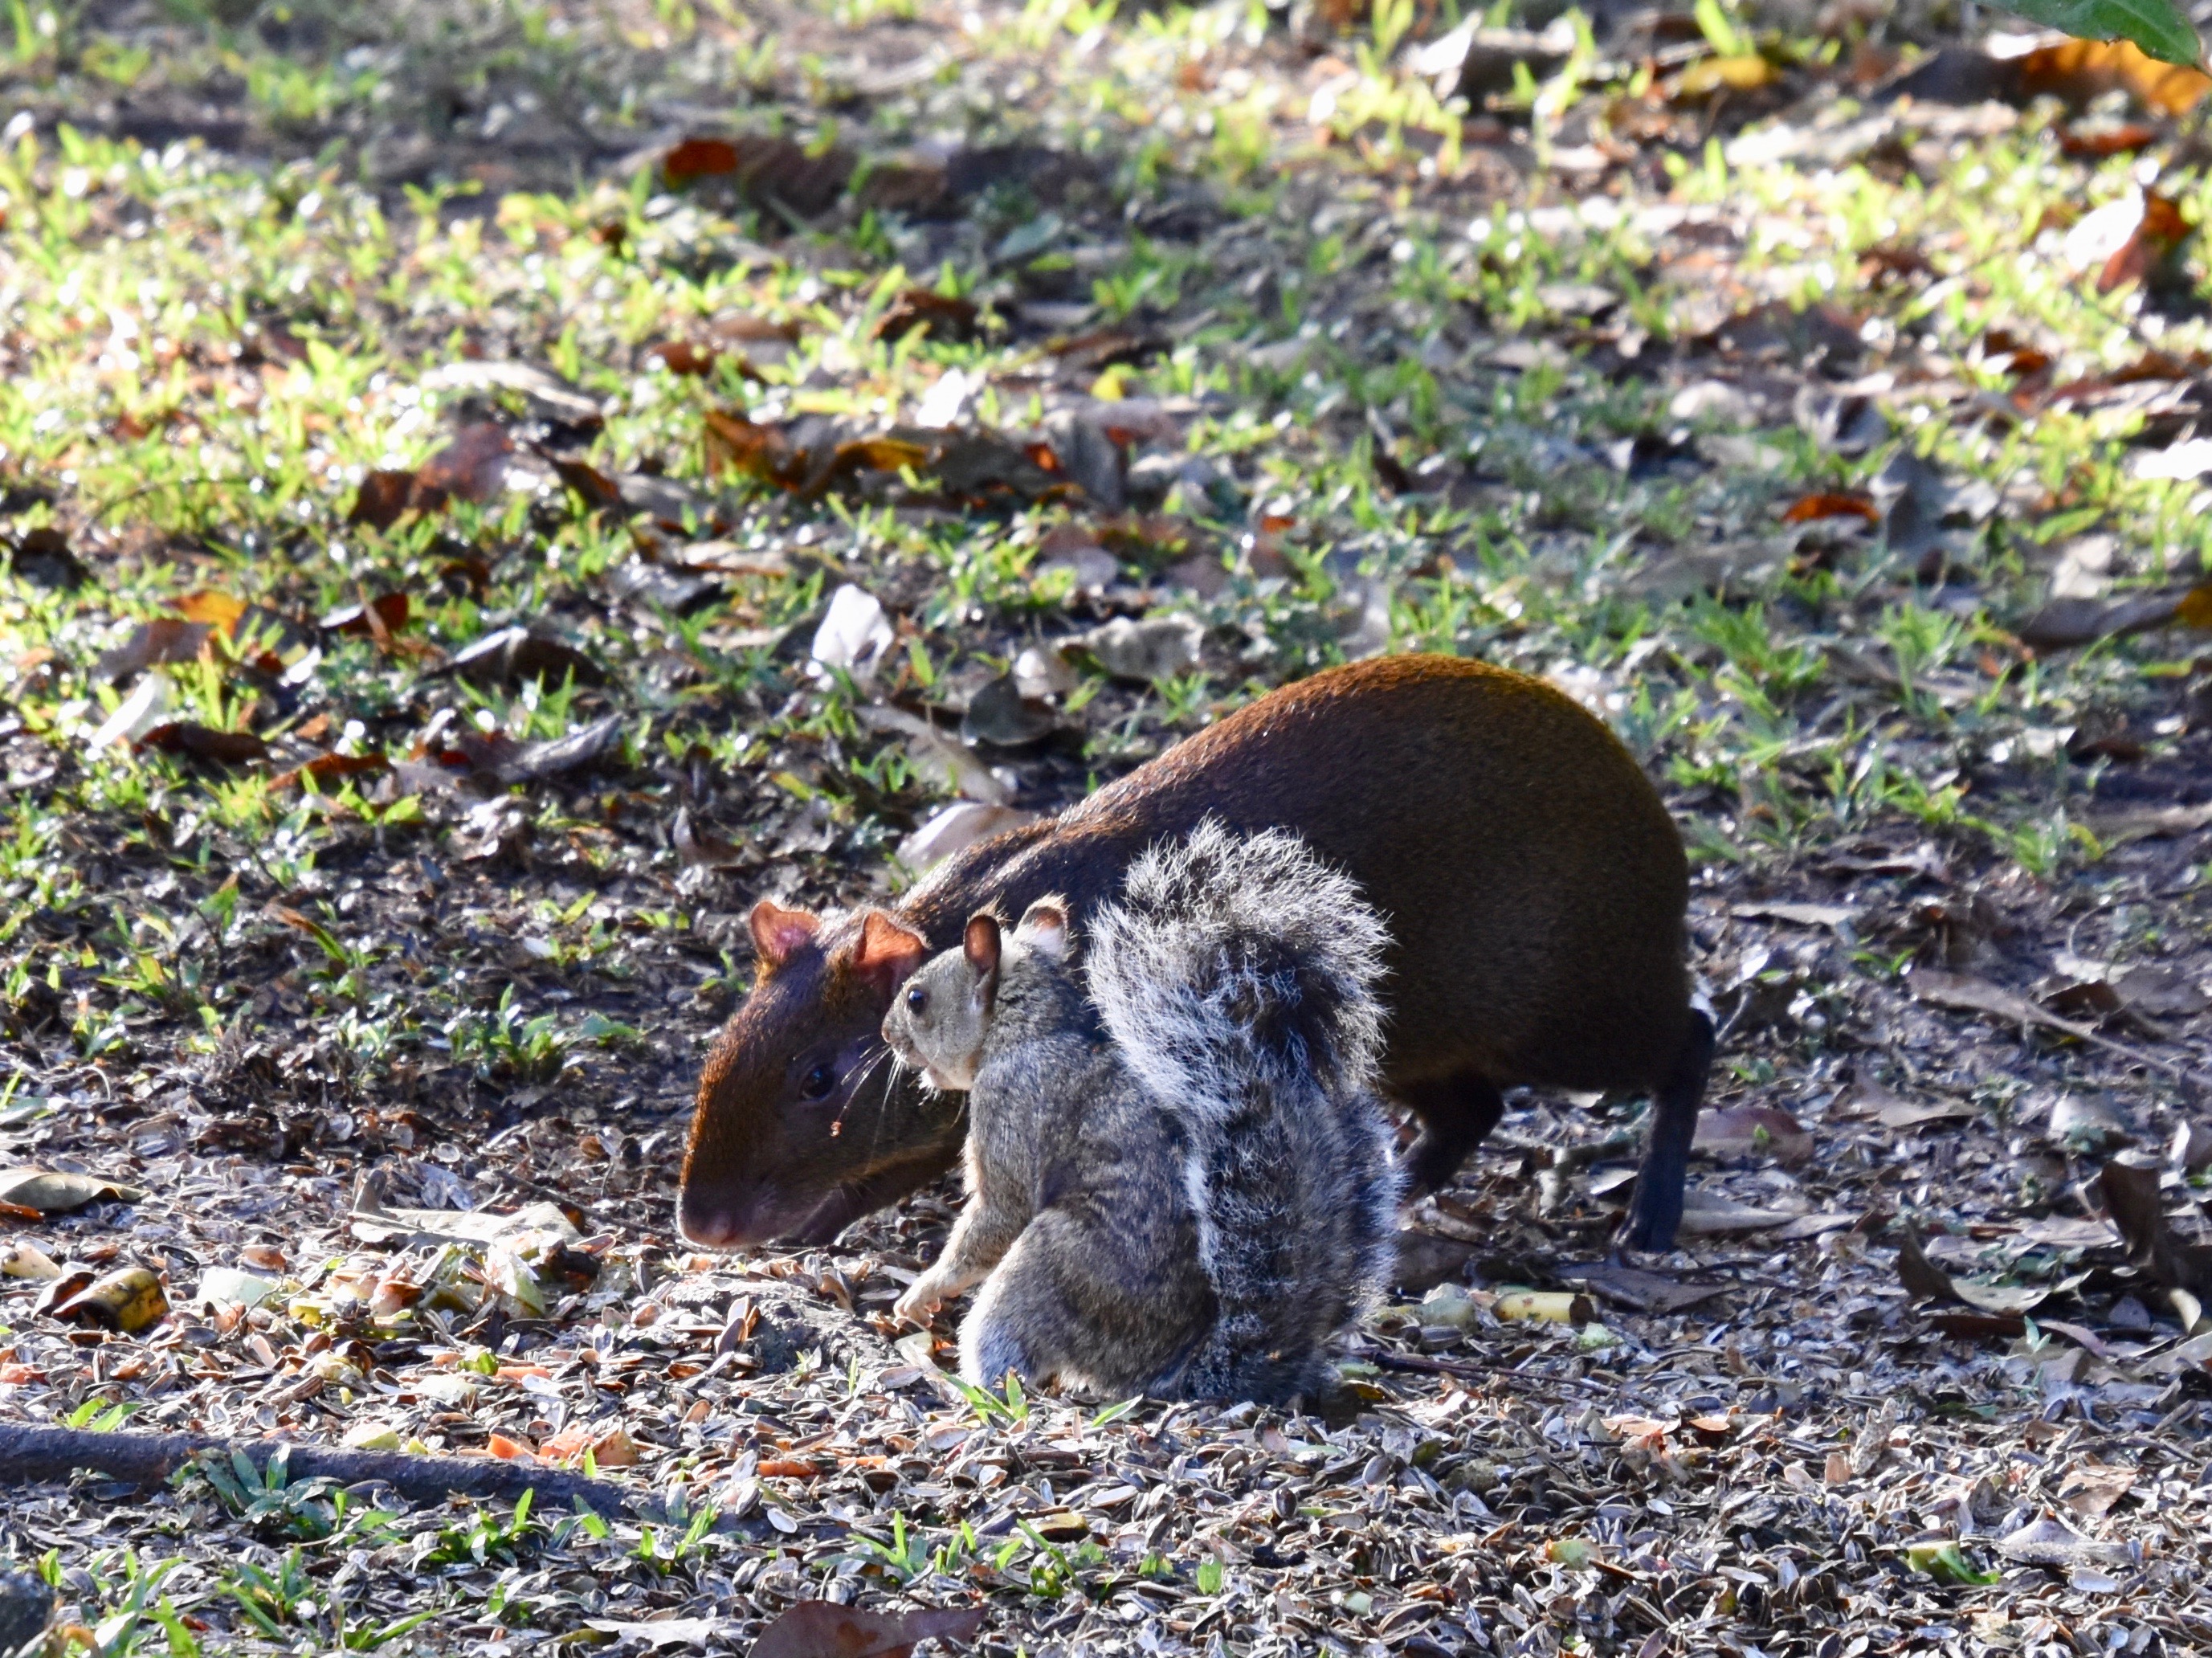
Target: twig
{"x":30,"y":1454}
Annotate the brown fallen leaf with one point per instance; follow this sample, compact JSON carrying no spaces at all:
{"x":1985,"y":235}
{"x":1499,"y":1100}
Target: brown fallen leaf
{"x":2096,"y":142}
{"x":1742,"y":1131}
{"x":151,"y":644}
{"x":822,"y":1629}
{"x":689,"y":358}
{"x":946,"y":316}
{"x":471,"y":467}
{"x":1964,"y":993}
{"x":2135,"y":1203}
{"x":955,"y":828}
{"x":384,"y":497}
{"x":772,"y":170}
{"x":327,"y":769}
{"x":2147,"y":256}
{"x":1643,"y":1291}
{"x":1871,"y":1101}
{"x":383,"y":615}
{"x":1426,"y":1260}
{"x":514,"y":655}
{"x":204,"y":742}
{"x":2093,"y":1489}
{"x":32,"y":1192}
{"x":734,"y":444}
{"x":698,"y":850}
{"x":2064,"y":624}
{"x":1925,"y":1281}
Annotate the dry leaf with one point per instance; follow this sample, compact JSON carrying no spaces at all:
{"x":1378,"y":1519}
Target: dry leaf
{"x":2133,"y":1198}
{"x":2047,"y":1541}
{"x":128,"y":1300}
{"x":2081,"y":71}
{"x":1744,"y":1130}
{"x":35,"y":1191}
{"x":822,"y":1629}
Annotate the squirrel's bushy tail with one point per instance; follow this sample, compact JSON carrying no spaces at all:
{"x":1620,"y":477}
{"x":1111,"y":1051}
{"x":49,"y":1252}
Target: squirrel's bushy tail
{"x":1237,"y":975}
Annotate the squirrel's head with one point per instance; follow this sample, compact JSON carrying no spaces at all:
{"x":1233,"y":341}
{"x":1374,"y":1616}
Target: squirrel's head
{"x":940,"y":1018}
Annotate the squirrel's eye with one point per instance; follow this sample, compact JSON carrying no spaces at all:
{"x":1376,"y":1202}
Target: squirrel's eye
{"x":917,"y":998}
{"x":818,"y":1082}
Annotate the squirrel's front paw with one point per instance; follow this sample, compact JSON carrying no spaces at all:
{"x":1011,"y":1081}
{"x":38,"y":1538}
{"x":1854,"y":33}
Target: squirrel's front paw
{"x":922,"y":1300}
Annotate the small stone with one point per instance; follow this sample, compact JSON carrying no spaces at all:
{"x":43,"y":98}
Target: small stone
{"x":26,"y":1605}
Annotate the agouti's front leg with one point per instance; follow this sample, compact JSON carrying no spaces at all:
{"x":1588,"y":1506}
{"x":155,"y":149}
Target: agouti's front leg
{"x":991,"y":1220}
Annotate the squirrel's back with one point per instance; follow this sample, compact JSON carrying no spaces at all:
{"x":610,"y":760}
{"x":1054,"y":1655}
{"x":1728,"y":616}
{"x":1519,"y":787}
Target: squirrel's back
{"x":1238,"y":978}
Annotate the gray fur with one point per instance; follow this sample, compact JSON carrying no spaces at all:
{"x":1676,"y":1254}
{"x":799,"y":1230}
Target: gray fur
{"x":1185,"y":1184}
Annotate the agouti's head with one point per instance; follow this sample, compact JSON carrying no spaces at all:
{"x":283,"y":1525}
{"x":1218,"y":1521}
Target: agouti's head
{"x":767,"y":1157}
{"x":939,"y":1021}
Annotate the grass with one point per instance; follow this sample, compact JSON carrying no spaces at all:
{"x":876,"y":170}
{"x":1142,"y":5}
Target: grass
{"x":207,"y":354}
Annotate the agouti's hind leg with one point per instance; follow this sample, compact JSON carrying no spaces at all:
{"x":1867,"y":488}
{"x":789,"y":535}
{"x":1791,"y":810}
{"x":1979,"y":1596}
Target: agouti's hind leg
{"x":1658,"y":1209}
{"x":1456,"y":1113}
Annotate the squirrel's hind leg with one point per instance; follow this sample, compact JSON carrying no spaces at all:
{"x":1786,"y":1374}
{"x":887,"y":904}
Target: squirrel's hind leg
{"x":1456,"y":1114}
{"x":1065,"y":1308}
{"x":1656,"y":1211}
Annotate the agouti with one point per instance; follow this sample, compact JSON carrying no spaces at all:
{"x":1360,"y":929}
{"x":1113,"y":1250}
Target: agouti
{"x":1533,"y":883}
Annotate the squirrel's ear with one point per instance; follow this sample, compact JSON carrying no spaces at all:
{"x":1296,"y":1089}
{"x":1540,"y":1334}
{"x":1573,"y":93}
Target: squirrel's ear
{"x":1044,"y":928}
{"x":980,"y":944}
{"x":778,"y":932}
{"x":887,"y":951}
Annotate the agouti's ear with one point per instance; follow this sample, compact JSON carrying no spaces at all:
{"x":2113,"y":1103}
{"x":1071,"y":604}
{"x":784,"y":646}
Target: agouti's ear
{"x":778,"y":932}
{"x":1044,"y":928}
{"x":887,"y":951}
{"x":980,"y":944}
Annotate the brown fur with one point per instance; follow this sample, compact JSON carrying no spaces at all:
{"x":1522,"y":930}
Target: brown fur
{"x":1532,"y":880}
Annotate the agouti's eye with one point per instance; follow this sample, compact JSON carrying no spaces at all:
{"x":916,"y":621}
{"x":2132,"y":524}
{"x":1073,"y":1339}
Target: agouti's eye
{"x":917,"y":998}
{"x":818,"y":1082}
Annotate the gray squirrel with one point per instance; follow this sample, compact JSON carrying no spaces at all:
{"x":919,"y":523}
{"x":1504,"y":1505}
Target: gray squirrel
{"x":1182,"y":1178}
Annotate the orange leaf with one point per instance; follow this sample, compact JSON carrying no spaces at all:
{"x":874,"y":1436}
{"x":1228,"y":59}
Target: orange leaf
{"x":1808,"y":507}
{"x":510,"y":1450}
{"x":785,"y":1467}
{"x":330,"y":768}
{"x":217,"y":609}
{"x":736,"y":444}
{"x":882,"y":454}
{"x":2080,"y":71}
{"x":2161,"y":231}
{"x":2196,"y":606}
